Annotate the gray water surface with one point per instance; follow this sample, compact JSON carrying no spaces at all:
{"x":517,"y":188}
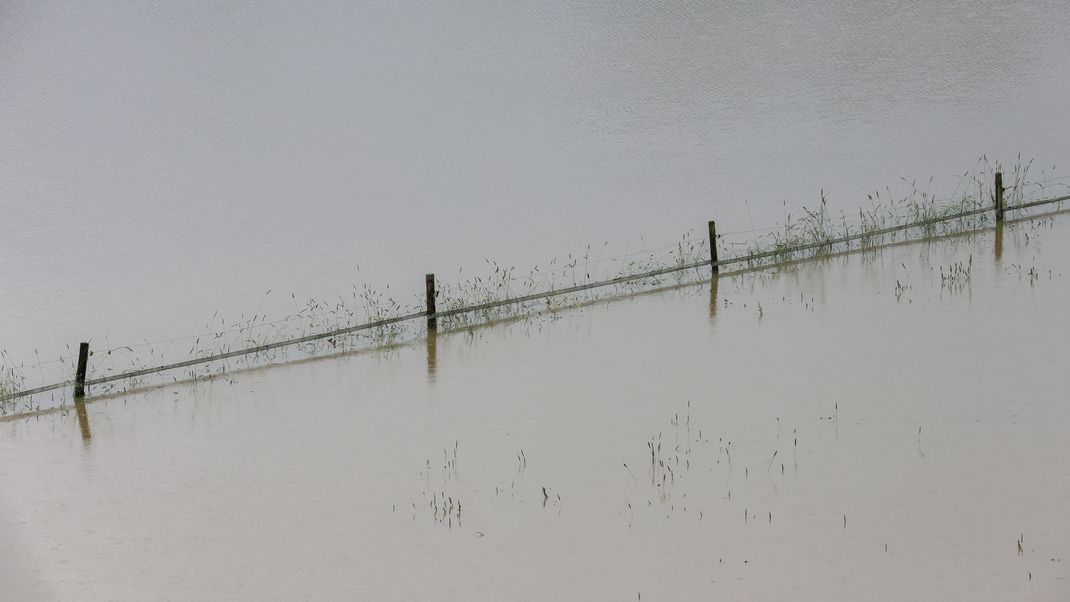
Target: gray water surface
{"x":161,"y":162}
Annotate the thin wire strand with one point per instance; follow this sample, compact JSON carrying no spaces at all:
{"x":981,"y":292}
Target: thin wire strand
{"x":752,"y":258}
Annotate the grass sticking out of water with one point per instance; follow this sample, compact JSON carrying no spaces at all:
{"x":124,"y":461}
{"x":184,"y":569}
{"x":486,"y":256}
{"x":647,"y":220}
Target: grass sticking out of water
{"x":10,"y":382}
{"x":956,"y":277}
{"x":816,"y":232}
{"x":501,"y":283}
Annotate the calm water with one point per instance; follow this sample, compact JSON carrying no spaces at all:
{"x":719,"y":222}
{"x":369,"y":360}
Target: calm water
{"x":873,"y":431}
{"x":163,"y":162}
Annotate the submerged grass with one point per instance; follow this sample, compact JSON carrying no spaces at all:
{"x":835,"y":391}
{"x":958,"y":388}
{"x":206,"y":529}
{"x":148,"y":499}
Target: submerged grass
{"x":817,"y":231}
{"x":504,"y":283}
{"x":11,"y":381}
{"x":814,"y":233}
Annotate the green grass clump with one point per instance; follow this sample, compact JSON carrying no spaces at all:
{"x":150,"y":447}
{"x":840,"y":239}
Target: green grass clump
{"x":11,"y":381}
{"x":502,"y":283}
{"x":817,"y":232}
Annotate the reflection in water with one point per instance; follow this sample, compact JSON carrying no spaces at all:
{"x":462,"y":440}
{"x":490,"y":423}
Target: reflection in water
{"x":999,"y":241}
{"x":83,"y":418}
{"x":432,"y":354}
{"x":713,"y":296}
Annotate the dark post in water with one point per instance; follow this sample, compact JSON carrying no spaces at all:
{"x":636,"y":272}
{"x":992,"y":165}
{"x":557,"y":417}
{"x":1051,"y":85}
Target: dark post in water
{"x":713,"y":246}
{"x":999,"y":196}
{"x":79,"y":374}
{"x":429,"y":280}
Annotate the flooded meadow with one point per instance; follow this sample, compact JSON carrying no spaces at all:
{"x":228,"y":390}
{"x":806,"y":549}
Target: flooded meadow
{"x":232,"y":220}
{"x":880,"y":424}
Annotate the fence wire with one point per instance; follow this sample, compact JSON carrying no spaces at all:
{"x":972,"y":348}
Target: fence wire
{"x":753,"y":259}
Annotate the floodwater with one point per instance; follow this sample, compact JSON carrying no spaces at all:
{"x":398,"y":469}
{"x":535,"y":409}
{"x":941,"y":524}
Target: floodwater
{"x":888,"y":424}
{"x":162,"y":162}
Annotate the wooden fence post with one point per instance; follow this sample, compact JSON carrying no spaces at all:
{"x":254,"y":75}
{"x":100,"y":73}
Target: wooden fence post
{"x":999,"y":196}
{"x":79,"y":374}
{"x":713,"y":246}
{"x":429,"y":282}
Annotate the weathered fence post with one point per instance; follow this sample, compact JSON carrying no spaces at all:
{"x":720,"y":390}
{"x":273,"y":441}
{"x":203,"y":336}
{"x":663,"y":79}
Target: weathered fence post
{"x":713,"y":246}
{"x":999,"y":196}
{"x":429,"y":281}
{"x":79,"y":374}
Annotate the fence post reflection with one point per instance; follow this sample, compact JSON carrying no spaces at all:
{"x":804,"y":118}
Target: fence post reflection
{"x":432,"y":354}
{"x":713,"y":295}
{"x":83,"y":418}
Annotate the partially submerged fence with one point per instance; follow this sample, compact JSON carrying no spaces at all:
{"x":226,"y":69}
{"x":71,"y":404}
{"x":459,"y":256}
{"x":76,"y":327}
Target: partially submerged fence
{"x":80,"y":382}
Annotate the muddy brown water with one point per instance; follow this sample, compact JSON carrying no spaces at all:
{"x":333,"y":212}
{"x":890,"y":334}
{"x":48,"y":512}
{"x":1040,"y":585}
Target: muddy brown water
{"x":858,"y":427}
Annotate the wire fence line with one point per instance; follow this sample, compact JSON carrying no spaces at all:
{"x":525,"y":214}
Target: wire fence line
{"x":752,"y":258}
{"x":545,"y":277}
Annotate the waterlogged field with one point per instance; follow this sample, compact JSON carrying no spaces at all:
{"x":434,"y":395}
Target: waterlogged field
{"x":344,"y":323}
{"x":885,"y":424}
{"x":165,"y":165}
